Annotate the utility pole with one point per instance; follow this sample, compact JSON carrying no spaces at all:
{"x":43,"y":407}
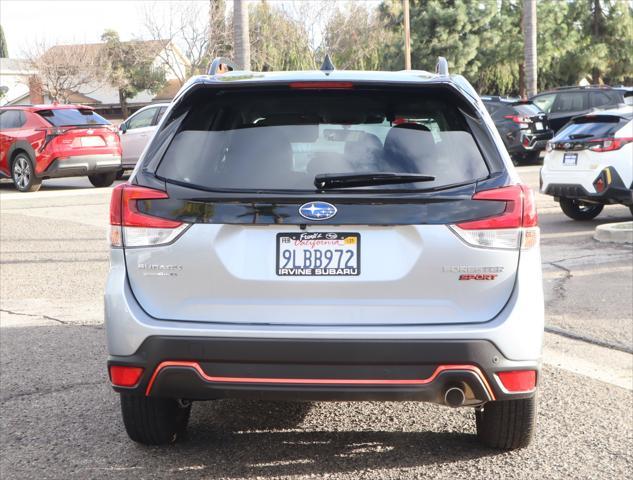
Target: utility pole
{"x":241,"y":39}
{"x":529,"y":42}
{"x":407,"y":36}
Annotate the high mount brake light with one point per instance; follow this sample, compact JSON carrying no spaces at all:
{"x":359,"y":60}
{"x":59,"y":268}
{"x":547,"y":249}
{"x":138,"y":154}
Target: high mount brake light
{"x":516,"y":226}
{"x":133,"y":228}
{"x":322,"y":85}
{"x":609,"y":144}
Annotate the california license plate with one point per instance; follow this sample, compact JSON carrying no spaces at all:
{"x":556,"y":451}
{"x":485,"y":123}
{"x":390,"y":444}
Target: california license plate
{"x":318,"y":254}
{"x":570,"y":159}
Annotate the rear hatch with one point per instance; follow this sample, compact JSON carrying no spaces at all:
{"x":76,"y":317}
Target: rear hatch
{"x":574,"y":148}
{"x":78,"y":128}
{"x":529,"y":114}
{"x":322,"y":205}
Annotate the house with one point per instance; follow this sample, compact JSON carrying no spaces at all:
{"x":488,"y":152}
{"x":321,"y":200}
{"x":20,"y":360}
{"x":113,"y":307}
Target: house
{"x":14,"y":80}
{"x":97,"y":93}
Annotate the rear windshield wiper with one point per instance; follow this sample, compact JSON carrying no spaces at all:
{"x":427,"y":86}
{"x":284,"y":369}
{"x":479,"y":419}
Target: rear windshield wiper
{"x":348,"y":180}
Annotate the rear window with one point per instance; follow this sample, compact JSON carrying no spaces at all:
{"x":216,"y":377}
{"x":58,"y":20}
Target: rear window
{"x":64,"y":117}
{"x":280,"y":140}
{"x":527,"y":109}
{"x":592,"y":126}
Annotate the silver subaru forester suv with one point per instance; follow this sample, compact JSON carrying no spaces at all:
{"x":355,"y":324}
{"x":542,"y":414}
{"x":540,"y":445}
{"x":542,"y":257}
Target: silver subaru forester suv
{"x":325,"y":235}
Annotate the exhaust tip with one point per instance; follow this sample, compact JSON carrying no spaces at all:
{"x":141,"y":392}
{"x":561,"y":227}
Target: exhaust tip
{"x":454,"y":397}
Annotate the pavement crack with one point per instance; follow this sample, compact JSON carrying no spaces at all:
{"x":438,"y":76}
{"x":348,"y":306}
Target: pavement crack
{"x":560,"y":287}
{"x":589,"y":339}
{"x":47,"y":317}
{"x":50,"y":391}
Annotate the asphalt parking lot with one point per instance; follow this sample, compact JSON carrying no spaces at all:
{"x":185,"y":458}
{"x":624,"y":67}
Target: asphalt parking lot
{"x":60,"y":419}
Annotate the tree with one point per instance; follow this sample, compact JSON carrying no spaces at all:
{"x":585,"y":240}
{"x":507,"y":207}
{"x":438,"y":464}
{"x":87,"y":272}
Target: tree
{"x":529,"y":46}
{"x":241,"y":41}
{"x":64,"y":69}
{"x":355,"y":38}
{"x":277,"y":41}
{"x":189,"y":28}
{"x":4,"y":53}
{"x":129,"y":67}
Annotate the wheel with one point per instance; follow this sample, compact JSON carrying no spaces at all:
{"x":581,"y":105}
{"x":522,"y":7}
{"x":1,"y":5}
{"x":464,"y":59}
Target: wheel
{"x":631,"y":208}
{"x":507,"y":424}
{"x":119,"y":174}
{"x":578,"y":210}
{"x":154,"y":421}
{"x":102,"y":179}
{"x":23,"y":174}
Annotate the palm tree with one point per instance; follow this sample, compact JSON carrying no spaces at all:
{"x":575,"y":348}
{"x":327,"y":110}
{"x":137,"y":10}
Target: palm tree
{"x":241,"y":39}
{"x":529,"y":42}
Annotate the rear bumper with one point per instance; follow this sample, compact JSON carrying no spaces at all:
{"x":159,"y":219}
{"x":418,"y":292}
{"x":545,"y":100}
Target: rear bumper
{"x":197,"y":368}
{"x":80,"y":165}
{"x":526,"y":142}
{"x":558,"y":185}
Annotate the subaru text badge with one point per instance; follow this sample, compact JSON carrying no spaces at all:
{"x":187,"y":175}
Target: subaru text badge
{"x":317,"y":210}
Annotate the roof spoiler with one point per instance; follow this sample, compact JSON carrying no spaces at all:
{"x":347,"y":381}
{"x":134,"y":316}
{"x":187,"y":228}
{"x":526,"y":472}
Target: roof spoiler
{"x":441,"y":67}
{"x":221,"y":65}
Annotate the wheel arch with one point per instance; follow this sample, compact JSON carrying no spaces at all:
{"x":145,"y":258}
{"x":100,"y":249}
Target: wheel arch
{"x":18,"y":147}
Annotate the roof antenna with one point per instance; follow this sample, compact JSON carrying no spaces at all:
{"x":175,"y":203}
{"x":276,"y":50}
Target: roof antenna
{"x":327,"y":65}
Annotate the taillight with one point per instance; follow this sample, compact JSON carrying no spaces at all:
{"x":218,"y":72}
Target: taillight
{"x":516,"y":227}
{"x":609,"y":144}
{"x":522,"y":120}
{"x":130,"y":227}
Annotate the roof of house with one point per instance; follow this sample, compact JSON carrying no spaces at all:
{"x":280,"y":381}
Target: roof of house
{"x":15,"y":66}
{"x":153,"y":47}
{"x":168,"y":92}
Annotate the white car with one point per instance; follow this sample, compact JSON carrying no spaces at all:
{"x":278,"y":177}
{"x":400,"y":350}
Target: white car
{"x":589,"y":163}
{"x":137,"y":131}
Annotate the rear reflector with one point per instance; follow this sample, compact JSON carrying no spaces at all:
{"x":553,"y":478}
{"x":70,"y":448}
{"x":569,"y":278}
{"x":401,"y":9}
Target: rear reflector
{"x":515,"y":227}
{"x":133,"y":228}
{"x":518,"y":380}
{"x":123,"y":376}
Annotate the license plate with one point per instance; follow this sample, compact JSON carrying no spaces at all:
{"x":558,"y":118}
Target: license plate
{"x":92,"y":142}
{"x":539,"y":125}
{"x":570,"y":159}
{"x":320,"y":254}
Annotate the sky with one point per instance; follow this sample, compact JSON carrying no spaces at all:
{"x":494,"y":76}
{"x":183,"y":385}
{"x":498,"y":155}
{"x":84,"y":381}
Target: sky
{"x":26,"y":22}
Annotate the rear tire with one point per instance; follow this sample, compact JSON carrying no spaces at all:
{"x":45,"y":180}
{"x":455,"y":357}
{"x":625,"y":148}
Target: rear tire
{"x":507,"y":424}
{"x":154,"y":421}
{"x":631,"y":208}
{"x":102,"y":179}
{"x":579,"y":210}
{"x":23,"y":174}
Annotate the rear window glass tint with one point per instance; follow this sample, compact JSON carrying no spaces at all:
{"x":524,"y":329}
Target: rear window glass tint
{"x":527,"y":109}
{"x":282,"y":140}
{"x":603,"y":127}
{"x":64,"y":117}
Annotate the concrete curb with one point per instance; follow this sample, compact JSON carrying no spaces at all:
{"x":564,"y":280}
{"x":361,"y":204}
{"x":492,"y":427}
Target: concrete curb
{"x":621,"y":232}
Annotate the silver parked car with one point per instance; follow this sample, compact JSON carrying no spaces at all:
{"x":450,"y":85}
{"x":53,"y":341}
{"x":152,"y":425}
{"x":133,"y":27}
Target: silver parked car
{"x":325,"y":235}
{"x":137,"y":131}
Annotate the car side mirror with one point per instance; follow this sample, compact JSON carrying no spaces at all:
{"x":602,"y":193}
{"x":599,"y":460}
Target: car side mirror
{"x":123,"y":127}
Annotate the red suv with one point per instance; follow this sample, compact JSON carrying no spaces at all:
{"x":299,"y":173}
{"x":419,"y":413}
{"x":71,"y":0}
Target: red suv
{"x":51,"y":141}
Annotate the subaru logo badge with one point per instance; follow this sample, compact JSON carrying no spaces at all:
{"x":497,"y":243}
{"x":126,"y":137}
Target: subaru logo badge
{"x":317,"y":210}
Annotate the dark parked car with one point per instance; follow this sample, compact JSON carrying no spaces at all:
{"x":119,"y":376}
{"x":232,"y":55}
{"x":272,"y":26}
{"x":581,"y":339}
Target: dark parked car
{"x":523,"y":127}
{"x":564,"y":103}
